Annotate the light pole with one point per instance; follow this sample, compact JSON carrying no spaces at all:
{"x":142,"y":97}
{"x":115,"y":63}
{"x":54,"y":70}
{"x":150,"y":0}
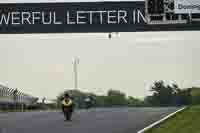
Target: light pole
{"x":75,"y":63}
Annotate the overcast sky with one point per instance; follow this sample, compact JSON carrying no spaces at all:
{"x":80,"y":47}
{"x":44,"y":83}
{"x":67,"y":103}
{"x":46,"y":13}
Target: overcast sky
{"x":41,"y":64}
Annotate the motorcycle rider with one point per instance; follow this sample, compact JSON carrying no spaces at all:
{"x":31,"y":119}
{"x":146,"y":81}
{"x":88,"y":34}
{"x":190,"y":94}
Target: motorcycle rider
{"x":89,"y":101}
{"x":68,"y":104}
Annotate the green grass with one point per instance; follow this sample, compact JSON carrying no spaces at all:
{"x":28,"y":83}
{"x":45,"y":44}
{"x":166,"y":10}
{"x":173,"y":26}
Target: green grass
{"x":187,"y":121}
{"x":195,"y":91}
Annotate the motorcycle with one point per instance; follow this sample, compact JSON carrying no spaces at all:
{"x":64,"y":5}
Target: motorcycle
{"x":67,"y":114}
{"x":88,"y":105}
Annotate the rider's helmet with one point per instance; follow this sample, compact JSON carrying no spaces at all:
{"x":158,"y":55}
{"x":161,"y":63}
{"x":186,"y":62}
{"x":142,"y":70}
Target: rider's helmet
{"x":66,"y":95}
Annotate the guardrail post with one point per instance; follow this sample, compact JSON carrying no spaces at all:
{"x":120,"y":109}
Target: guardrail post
{"x":22,"y":106}
{"x":15,"y":98}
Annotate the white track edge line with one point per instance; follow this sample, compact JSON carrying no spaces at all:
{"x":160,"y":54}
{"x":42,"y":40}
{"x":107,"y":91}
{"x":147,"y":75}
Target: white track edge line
{"x":163,"y":119}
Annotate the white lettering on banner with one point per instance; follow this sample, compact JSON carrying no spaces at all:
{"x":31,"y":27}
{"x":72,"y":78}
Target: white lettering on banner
{"x":68,"y":19}
{"x":90,"y":17}
{"x":43,"y":18}
{"x":122,"y":16}
{"x":15,"y":18}
{"x":140,"y":15}
{"x":110,"y":16}
{"x":72,"y":17}
{"x":5,"y":18}
{"x":134,"y":17}
{"x":78,"y":17}
{"x":35,"y":17}
{"x":101,"y":16}
{"x":26,"y":16}
{"x":54,"y":18}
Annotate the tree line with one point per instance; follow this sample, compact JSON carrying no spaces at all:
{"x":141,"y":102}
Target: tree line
{"x":162,"y":95}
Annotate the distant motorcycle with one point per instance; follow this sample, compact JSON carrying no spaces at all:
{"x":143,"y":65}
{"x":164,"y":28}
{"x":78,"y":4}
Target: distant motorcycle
{"x":89,"y":102}
{"x":88,"y":105}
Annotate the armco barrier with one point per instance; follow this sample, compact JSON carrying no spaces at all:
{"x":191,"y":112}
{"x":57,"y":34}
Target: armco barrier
{"x":9,"y":95}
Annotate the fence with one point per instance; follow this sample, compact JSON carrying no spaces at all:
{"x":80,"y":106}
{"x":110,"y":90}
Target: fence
{"x":13,"y":99}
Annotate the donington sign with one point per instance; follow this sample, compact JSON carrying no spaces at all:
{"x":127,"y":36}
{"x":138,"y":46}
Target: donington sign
{"x":187,"y":6}
{"x":75,"y":17}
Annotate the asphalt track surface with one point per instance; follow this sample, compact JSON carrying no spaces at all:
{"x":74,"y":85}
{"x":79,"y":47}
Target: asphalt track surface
{"x":111,"y":120}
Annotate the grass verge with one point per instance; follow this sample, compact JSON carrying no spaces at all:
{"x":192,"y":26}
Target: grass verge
{"x":186,"y":121}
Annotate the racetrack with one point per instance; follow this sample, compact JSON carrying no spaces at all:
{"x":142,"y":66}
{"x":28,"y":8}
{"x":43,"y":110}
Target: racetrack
{"x":110,"y":120}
